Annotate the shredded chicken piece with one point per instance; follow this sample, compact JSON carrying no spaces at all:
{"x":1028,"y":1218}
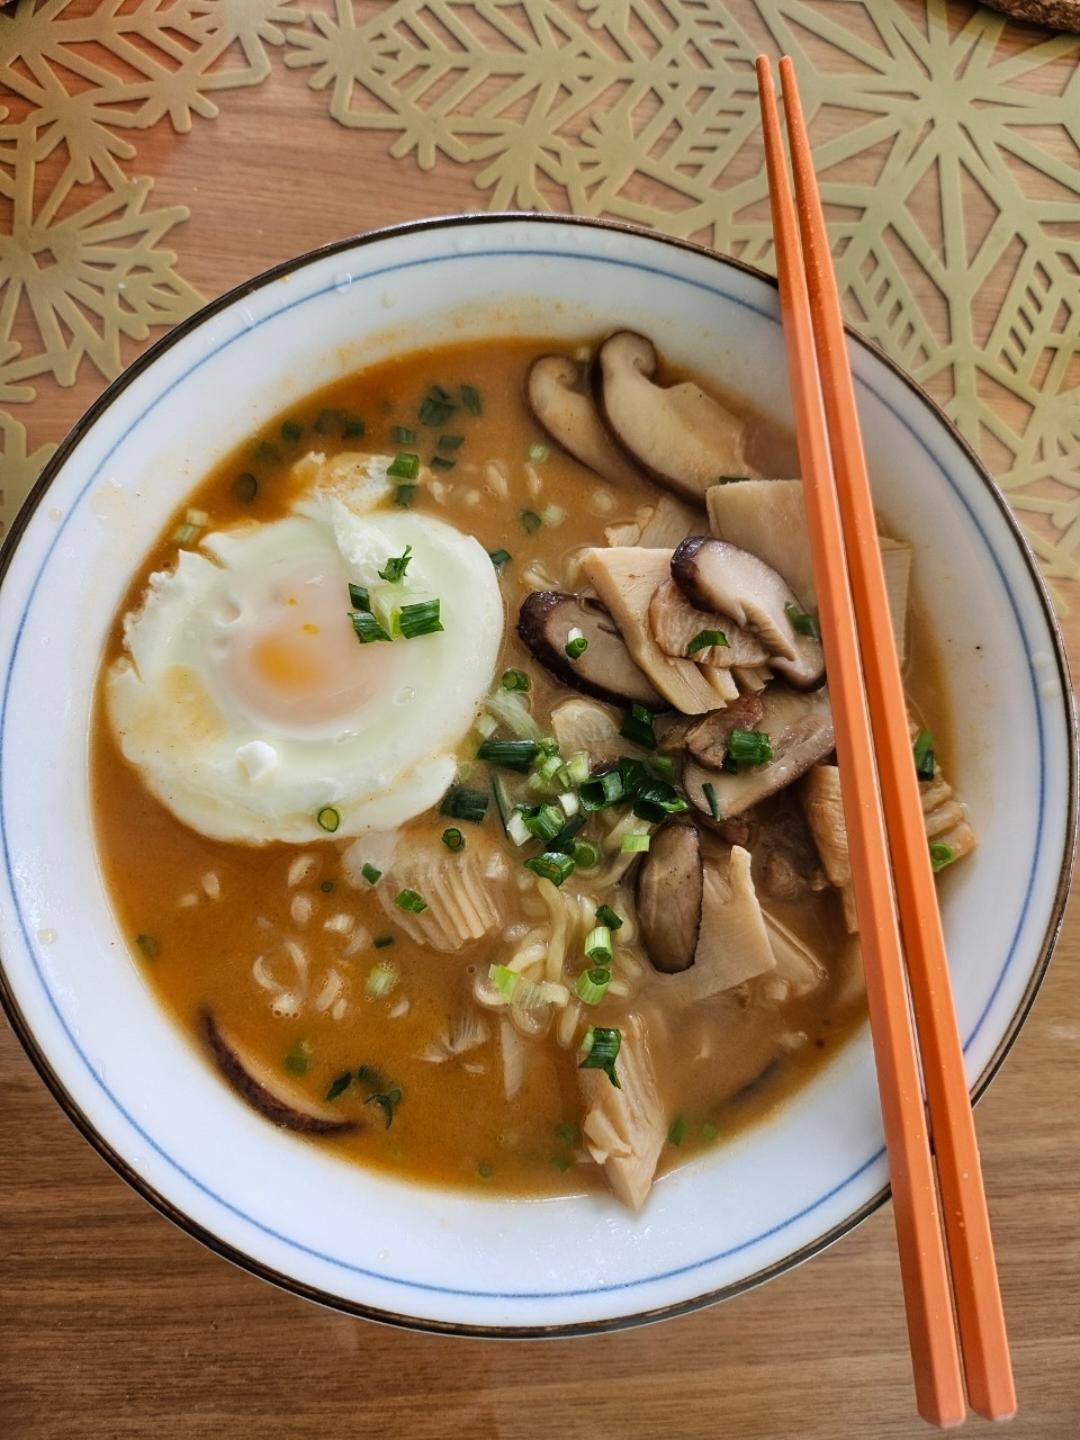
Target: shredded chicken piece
{"x":625,"y":1129}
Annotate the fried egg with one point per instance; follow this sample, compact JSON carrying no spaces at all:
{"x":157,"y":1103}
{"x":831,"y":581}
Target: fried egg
{"x":249,"y":706}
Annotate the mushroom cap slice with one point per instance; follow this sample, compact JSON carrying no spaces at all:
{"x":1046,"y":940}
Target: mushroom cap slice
{"x":565,"y":411}
{"x":626,"y":577}
{"x":714,"y":575}
{"x":800,"y":727}
{"x":605,"y":669}
{"x":252,"y":1082}
{"x":707,"y":739}
{"x":768,"y":518}
{"x":679,"y":435}
{"x":675,"y":624}
{"x":669,"y":896}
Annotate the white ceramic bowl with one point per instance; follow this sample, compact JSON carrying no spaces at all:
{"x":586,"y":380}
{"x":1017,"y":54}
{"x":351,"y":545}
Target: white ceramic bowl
{"x":135,"y":1085}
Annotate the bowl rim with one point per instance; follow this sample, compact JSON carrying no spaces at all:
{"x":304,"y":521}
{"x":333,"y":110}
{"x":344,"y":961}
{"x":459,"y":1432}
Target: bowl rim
{"x":234,"y":1253}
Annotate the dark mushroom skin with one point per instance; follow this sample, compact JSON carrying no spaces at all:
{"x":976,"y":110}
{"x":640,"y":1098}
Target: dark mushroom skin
{"x":678,"y":435}
{"x":670,"y":889}
{"x":605,"y":669}
{"x":717,"y":576}
{"x":707,"y":738}
{"x":565,"y":411}
{"x":272,"y":1107}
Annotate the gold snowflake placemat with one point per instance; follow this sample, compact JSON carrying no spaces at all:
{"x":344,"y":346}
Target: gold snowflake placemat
{"x":947,"y":144}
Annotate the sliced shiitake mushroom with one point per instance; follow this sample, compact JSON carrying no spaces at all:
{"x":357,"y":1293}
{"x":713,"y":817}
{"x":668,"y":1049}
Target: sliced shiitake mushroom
{"x":604,"y":669}
{"x":251,"y":1082}
{"x":678,"y":434}
{"x":669,"y":894}
{"x":676,"y":625}
{"x":714,"y":575}
{"x":800,"y":730}
{"x":706,"y":739}
{"x":564,"y":409}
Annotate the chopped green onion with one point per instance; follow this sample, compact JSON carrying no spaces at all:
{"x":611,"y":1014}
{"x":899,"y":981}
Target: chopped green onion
{"x":450,"y":442}
{"x":552,"y":865}
{"x":386,"y":1100}
{"x":353,"y":426}
{"x":470,"y":398}
{"x":404,"y":495}
{"x":419,"y":619}
{"x":434,"y":410}
{"x":395,"y":567}
{"x":485,"y":726}
{"x":592,"y":985}
{"x":637,"y":726}
{"x":328,"y":819}
{"x":705,"y":639}
{"x":709,"y":1131}
{"x":502,"y":799}
{"x":290,"y":430}
{"x":185,"y":534}
{"x":576,"y":643}
{"x":730,"y":479}
{"x":326,"y":886}
{"x":359,"y":597}
{"x":560,"y":1163}
{"x":370,"y":874}
{"x":664,"y":766}
{"x":677,"y":1131}
{"x":440,"y":462}
{"x":601,"y":790}
{"x":298,"y":1059}
{"x":537,"y":451}
{"x":462,"y":803}
{"x":339,"y":1084}
{"x":382,"y":941}
{"x":564,"y":841}
{"x":484,"y":1170}
{"x":598,"y":945}
{"x":566,"y":1133}
{"x":940,"y":855}
{"x":552,"y":515}
{"x":500,"y":558}
{"x":569,"y":802}
{"x":544,"y":823}
{"x":923,"y":750}
{"x":453,"y":839}
{"x":601,"y":1047}
{"x":709,"y":792}
{"x":656,"y":799}
{"x":410,"y":901}
{"x":802,"y":622}
{"x":515,"y":680}
{"x":513,"y":711}
{"x":517,"y":829}
{"x":749,"y":747}
{"x":245,"y":487}
{"x":510,"y":754}
{"x":381,"y":980}
{"x":576,"y":769}
{"x":404,"y":466}
{"x":400,"y":435}
{"x":585,"y":854}
{"x":329,"y":421}
{"x":530,"y":521}
{"x":150,"y":945}
{"x":367,"y":628}
{"x":504,"y":979}
{"x":635,"y":844}
{"x":606,"y":916}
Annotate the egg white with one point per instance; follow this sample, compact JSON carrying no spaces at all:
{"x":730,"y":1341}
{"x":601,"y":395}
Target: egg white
{"x":233,"y":769}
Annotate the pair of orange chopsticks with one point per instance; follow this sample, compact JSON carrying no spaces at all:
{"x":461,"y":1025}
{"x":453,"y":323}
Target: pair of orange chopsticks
{"x":887,"y":839}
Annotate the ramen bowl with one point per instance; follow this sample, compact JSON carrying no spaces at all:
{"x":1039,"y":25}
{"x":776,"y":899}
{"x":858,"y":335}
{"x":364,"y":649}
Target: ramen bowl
{"x":362,"y":1241}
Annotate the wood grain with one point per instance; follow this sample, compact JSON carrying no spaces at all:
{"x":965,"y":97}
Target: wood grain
{"x":116,"y":1326}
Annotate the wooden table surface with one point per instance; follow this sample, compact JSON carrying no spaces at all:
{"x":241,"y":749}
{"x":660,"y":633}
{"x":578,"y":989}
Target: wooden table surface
{"x":114,"y":1324}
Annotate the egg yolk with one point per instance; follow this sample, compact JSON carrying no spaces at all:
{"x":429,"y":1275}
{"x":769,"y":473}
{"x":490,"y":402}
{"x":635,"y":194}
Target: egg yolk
{"x":296,"y":662}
